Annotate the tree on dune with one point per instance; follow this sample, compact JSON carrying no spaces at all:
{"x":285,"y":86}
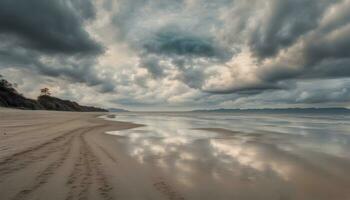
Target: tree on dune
{"x":7,"y":85}
{"x":45,"y":92}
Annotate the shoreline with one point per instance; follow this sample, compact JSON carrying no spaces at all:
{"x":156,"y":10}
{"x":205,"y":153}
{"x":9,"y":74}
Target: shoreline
{"x":68,"y":155}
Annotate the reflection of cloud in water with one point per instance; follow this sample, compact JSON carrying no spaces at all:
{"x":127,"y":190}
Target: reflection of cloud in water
{"x":290,"y":159}
{"x":170,"y":136}
{"x":248,"y":156}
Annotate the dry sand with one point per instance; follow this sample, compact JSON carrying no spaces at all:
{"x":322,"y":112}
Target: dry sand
{"x":63,"y":155}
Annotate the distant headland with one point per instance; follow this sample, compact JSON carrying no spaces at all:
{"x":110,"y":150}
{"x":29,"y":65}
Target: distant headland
{"x":11,"y":98}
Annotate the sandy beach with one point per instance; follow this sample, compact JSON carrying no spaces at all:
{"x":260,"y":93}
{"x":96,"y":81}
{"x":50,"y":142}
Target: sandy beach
{"x":61,"y":155}
{"x":66,"y":155}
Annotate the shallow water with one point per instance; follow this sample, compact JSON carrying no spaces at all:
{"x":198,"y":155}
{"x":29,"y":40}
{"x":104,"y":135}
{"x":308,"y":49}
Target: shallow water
{"x":244,"y":156}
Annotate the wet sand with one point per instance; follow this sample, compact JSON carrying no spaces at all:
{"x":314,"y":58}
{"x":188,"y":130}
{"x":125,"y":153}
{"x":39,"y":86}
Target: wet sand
{"x":63,"y":155}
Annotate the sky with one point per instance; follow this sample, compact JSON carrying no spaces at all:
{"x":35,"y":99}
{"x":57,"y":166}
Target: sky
{"x":179,"y":54}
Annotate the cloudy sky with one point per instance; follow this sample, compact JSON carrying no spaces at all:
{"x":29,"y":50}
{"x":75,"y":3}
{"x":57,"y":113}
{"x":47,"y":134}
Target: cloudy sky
{"x":179,"y":54}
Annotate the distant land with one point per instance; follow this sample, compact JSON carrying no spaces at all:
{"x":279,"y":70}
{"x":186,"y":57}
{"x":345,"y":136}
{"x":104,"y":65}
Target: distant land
{"x":282,"y":110}
{"x":10,"y":98}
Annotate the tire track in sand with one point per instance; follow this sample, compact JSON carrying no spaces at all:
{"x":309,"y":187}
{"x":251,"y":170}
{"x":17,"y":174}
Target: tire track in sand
{"x":87,"y":172}
{"x":22,"y":159}
{"x":35,"y":127}
{"x":49,"y":171}
{"x":167,"y":190}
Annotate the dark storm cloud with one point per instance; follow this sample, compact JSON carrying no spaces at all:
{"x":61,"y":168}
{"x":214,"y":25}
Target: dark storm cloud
{"x":151,"y":63}
{"x":246,"y":89}
{"x":334,"y":47}
{"x":49,"y":38}
{"x":324,"y":53}
{"x":49,"y":26}
{"x":287,"y":21}
{"x":176,"y":43}
{"x":72,"y":68}
{"x":183,"y":51}
{"x":192,"y":76}
{"x":331,"y":68}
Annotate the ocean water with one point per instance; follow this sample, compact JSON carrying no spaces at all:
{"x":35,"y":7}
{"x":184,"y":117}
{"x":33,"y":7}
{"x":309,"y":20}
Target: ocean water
{"x":244,"y":156}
